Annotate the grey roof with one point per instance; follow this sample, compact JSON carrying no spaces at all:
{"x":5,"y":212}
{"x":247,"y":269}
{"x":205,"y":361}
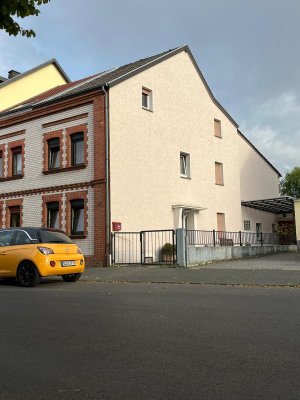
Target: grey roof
{"x":114,"y":76}
{"x":278,"y":205}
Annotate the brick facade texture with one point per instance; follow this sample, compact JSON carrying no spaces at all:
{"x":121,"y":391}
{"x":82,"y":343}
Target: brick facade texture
{"x":37,"y":187}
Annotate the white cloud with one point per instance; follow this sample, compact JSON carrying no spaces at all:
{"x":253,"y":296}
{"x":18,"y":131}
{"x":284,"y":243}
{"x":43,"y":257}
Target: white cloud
{"x":283,"y":105}
{"x":282,"y":151}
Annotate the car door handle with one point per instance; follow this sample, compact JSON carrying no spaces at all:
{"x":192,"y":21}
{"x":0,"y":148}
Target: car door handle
{"x":2,"y":254}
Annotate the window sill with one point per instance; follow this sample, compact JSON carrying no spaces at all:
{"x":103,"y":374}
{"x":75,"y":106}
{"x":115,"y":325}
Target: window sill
{"x":67,"y":169}
{"x":11,"y":178}
{"x":219,"y":184}
{"x":185,"y":177}
{"x":77,"y":236}
{"x":147,"y":109}
{"x":219,"y":137}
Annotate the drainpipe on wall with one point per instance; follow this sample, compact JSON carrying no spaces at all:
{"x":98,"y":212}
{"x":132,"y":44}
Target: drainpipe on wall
{"x":105,"y":87}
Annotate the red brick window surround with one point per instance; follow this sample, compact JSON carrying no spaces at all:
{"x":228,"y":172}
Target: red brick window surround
{"x":14,"y":213}
{"x":1,"y":210}
{"x":16,"y":159}
{"x":52,"y":211}
{"x":53,"y":155}
{"x":76,"y":214}
{"x":77,"y":155}
{"x":2,"y":148}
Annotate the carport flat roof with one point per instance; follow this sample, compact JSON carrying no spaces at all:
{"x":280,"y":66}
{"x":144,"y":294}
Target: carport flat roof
{"x":277,"y":205}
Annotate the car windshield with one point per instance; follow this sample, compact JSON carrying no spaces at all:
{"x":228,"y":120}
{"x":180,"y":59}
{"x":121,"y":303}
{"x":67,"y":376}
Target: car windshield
{"x":49,"y":236}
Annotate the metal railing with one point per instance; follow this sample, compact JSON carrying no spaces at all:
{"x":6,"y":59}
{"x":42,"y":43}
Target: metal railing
{"x":145,"y":247}
{"x":222,"y":238}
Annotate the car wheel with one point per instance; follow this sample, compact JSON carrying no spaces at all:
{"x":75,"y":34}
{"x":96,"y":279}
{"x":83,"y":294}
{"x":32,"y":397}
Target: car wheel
{"x":71,"y":277}
{"x":27,"y":274}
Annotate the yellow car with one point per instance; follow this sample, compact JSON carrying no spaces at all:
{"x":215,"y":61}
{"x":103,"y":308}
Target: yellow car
{"x":28,"y":254}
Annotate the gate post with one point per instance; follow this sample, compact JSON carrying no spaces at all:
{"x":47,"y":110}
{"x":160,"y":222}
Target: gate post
{"x":181,"y":247}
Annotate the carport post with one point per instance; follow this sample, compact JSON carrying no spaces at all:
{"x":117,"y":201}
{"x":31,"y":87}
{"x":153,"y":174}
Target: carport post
{"x":297,"y":220}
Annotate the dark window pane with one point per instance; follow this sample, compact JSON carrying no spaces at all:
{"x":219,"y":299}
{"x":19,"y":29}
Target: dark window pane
{"x":145,"y":97}
{"x":77,"y":222}
{"x":53,"y":153}
{"x":53,"y":215}
{"x":5,"y":238}
{"x":47,"y":236}
{"x":77,"y":149}
{"x":22,"y":238}
{"x":17,"y":162}
{"x":14,"y":217}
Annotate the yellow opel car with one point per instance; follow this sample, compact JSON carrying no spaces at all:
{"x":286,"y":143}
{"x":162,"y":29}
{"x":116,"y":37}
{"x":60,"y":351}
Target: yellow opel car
{"x":28,"y":254}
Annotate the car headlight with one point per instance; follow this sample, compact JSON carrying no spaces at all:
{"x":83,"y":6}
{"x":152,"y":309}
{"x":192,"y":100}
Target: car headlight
{"x":79,"y":250}
{"x":45,"y":250}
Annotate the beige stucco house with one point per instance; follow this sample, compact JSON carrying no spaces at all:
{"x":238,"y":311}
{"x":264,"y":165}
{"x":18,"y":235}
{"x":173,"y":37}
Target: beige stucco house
{"x":156,"y":151}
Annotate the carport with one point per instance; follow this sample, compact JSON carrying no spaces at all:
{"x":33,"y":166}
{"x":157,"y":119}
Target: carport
{"x":277,"y":205}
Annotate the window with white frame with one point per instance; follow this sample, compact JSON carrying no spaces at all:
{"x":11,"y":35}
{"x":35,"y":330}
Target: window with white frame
{"x":147,"y":102}
{"x":185,"y":170}
{"x":247,"y":225}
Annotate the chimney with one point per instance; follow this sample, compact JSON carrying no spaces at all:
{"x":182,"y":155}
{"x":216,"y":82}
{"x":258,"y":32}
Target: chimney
{"x":12,"y":73}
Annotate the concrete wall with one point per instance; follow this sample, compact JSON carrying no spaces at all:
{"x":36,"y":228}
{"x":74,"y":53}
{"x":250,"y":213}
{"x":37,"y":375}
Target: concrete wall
{"x":202,"y":255}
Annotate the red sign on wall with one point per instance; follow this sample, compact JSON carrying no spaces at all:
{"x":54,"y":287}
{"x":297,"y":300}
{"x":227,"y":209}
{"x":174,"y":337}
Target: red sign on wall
{"x":116,"y":226}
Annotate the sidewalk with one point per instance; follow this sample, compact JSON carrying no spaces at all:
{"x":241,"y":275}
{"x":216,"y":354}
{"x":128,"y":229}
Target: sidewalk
{"x":274,"y":270}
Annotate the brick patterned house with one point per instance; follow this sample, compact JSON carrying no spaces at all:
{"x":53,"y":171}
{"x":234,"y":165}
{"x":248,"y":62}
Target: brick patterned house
{"x":146,"y":144}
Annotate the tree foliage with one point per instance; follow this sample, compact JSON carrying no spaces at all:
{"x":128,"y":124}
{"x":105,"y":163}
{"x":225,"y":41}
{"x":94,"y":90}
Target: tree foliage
{"x":9,"y":9}
{"x":290,"y":184}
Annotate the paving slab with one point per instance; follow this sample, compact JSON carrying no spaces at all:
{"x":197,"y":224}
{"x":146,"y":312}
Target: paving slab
{"x":274,"y":270}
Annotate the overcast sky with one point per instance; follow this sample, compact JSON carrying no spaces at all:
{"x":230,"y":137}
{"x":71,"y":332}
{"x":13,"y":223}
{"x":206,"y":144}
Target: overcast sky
{"x":248,"y":51}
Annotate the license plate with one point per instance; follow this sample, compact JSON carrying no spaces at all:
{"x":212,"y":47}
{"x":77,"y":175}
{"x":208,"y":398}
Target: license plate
{"x":68,"y":263}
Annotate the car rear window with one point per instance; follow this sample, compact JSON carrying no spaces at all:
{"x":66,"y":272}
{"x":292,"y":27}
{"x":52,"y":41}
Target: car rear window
{"x":53,"y":237}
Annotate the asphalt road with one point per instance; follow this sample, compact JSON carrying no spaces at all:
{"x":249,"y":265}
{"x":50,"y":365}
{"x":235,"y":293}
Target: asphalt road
{"x":136,"y":341}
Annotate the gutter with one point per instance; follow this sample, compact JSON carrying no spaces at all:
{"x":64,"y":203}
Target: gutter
{"x":105,"y":88}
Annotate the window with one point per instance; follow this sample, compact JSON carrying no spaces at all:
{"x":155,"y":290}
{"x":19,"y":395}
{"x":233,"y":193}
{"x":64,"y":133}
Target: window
{"x":147,"y":99}
{"x":5,"y":238}
{"x":247,"y":225}
{"x":258,"y":229}
{"x":53,"y":215}
{"x":77,"y":217}
{"x":1,"y":164}
{"x":53,"y":153}
{"x":185,"y":171}
{"x":15,"y":216}
{"x":220,"y":222}
{"x":219,"y":180}
{"x":21,"y":237}
{"x":77,"y":148}
{"x":217,"y":128}
{"x":16,"y":161}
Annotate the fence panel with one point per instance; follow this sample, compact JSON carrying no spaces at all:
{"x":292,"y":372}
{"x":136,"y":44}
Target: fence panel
{"x":158,"y":247}
{"x":145,"y":247}
{"x":126,"y":248}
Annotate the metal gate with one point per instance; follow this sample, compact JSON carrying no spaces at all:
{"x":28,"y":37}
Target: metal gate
{"x":145,"y":247}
